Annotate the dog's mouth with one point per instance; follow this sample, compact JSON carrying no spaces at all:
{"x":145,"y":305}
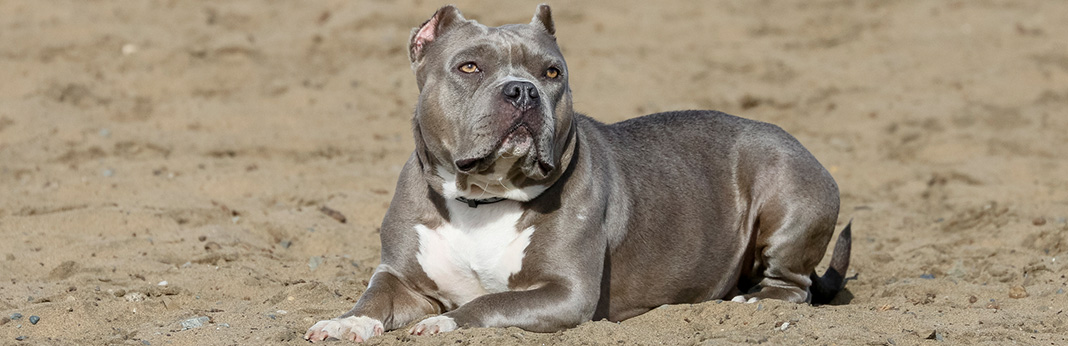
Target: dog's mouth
{"x":520,"y":146}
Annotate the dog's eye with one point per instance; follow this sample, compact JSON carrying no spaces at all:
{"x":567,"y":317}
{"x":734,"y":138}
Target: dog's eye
{"x":469,"y":68}
{"x":552,"y":72}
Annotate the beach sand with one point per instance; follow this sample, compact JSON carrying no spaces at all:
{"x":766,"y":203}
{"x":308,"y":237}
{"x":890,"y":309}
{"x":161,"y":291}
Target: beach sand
{"x":167,"y":160}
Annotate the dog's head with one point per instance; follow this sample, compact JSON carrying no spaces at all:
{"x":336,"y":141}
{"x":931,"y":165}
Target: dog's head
{"x":494,"y":116}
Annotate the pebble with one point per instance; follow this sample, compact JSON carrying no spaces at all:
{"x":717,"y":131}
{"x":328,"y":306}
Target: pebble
{"x":1038,"y":221}
{"x":146,"y":343}
{"x":195,"y":322}
{"x":314,"y":262}
{"x":1060,"y":291}
{"x":936,"y":335}
{"x":34,"y":319}
{"x":1017,"y":292}
{"x":16,"y":316}
{"x":4,"y":320}
{"x":135,"y":297}
{"x":162,"y":283}
{"x":285,"y":244}
{"x":108,"y":172}
{"x":972,"y":299}
{"x":22,"y":338}
{"x":927,"y":276}
{"x":784,"y":326}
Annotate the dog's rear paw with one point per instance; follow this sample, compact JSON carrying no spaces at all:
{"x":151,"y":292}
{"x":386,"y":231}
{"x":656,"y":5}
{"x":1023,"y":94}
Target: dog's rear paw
{"x":356,"y":329}
{"x":433,"y":325}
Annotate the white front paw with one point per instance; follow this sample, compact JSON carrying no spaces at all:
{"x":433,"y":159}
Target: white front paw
{"x":353,"y":328}
{"x":741,"y":299}
{"x":433,"y":325}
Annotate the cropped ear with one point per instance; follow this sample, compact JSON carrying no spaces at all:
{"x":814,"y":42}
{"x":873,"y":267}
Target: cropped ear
{"x":543,"y":18}
{"x":443,"y":20}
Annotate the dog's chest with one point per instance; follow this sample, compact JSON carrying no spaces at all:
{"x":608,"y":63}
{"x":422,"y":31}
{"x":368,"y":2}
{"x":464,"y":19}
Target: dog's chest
{"x":475,"y":253}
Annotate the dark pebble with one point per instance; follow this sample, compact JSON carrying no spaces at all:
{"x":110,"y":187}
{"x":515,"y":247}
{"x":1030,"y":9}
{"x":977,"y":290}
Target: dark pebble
{"x":1039,"y":221}
{"x":16,"y":316}
{"x":285,"y":244}
{"x":927,"y":276}
{"x":34,"y":319}
{"x":22,"y":338}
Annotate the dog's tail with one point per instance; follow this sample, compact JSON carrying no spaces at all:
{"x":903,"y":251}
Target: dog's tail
{"x":825,"y":287}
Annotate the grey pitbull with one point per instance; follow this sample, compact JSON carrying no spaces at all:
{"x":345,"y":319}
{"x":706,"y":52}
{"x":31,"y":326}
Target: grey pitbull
{"x":516,"y":211}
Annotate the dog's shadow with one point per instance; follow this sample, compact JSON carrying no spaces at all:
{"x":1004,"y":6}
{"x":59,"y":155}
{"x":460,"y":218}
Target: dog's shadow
{"x":843,"y":298}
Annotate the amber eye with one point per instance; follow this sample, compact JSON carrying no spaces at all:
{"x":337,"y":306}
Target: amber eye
{"x":469,"y":68}
{"x":552,"y":72}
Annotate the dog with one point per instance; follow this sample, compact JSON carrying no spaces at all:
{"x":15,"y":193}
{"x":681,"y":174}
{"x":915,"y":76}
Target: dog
{"x":514,"y":210}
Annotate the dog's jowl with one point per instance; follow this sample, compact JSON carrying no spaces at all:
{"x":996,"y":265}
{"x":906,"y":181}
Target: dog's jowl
{"x":514,"y":210}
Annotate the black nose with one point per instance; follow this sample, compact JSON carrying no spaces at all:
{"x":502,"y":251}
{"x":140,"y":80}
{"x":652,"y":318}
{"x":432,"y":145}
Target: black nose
{"x":522,"y":95}
{"x":466,"y":165}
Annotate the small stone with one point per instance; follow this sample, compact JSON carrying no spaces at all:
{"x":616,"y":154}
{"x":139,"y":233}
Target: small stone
{"x":1017,"y":292}
{"x":1060,"y":291}
{"x":16,"y":316}
{"x":936,"y":335}
{"x":162,"y":283}
{"x":146,"y":343}
{"x":195,"y":322}
{"x":993,"y":304}
{"x":202,"y":238}
{"x":135,"y":297}
{"x":760,"y":307}
{"x":314,"y":262}
{"x":223,"y":325}
{"x":4,"y":320}
{"x":34,"y":319}
{"x":784,"y":326}
{"x":285,"y":244}
{"x":927,"y":276}
{"x":20,"y":338}
{"x":972,"y":299}
{"x":1039,"y":221}
{"x":108,"y":172}
{"x":118,"y":293}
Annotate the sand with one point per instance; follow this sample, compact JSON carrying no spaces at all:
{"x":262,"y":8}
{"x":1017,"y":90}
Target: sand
{"x":167,"y":160}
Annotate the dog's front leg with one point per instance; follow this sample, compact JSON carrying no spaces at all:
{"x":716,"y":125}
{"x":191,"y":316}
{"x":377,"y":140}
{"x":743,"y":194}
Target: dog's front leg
{"x":386,"y":305}
{"x":552,"y":292}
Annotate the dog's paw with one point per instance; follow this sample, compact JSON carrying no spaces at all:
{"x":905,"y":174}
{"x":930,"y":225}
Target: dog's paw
{"x":433,"y":325}
{"x":356,"y":329}
{"x":742,"y":299}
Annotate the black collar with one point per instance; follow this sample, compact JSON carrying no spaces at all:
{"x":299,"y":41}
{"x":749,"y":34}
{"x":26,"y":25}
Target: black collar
{"x":474,"y":203}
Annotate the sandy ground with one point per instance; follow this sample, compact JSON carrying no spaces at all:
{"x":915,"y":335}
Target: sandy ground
{"x":165,"y":160}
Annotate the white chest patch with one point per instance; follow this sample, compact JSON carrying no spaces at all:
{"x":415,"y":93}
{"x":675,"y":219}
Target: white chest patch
{"x":476,"y":252}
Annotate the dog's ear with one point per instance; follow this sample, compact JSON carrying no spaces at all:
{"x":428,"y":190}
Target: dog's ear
{"x":543,"y":18}
{"x":443,"y":20}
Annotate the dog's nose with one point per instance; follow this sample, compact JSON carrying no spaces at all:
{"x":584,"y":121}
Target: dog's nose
{"x":522,"y":95}
{"x":466,"y":165}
